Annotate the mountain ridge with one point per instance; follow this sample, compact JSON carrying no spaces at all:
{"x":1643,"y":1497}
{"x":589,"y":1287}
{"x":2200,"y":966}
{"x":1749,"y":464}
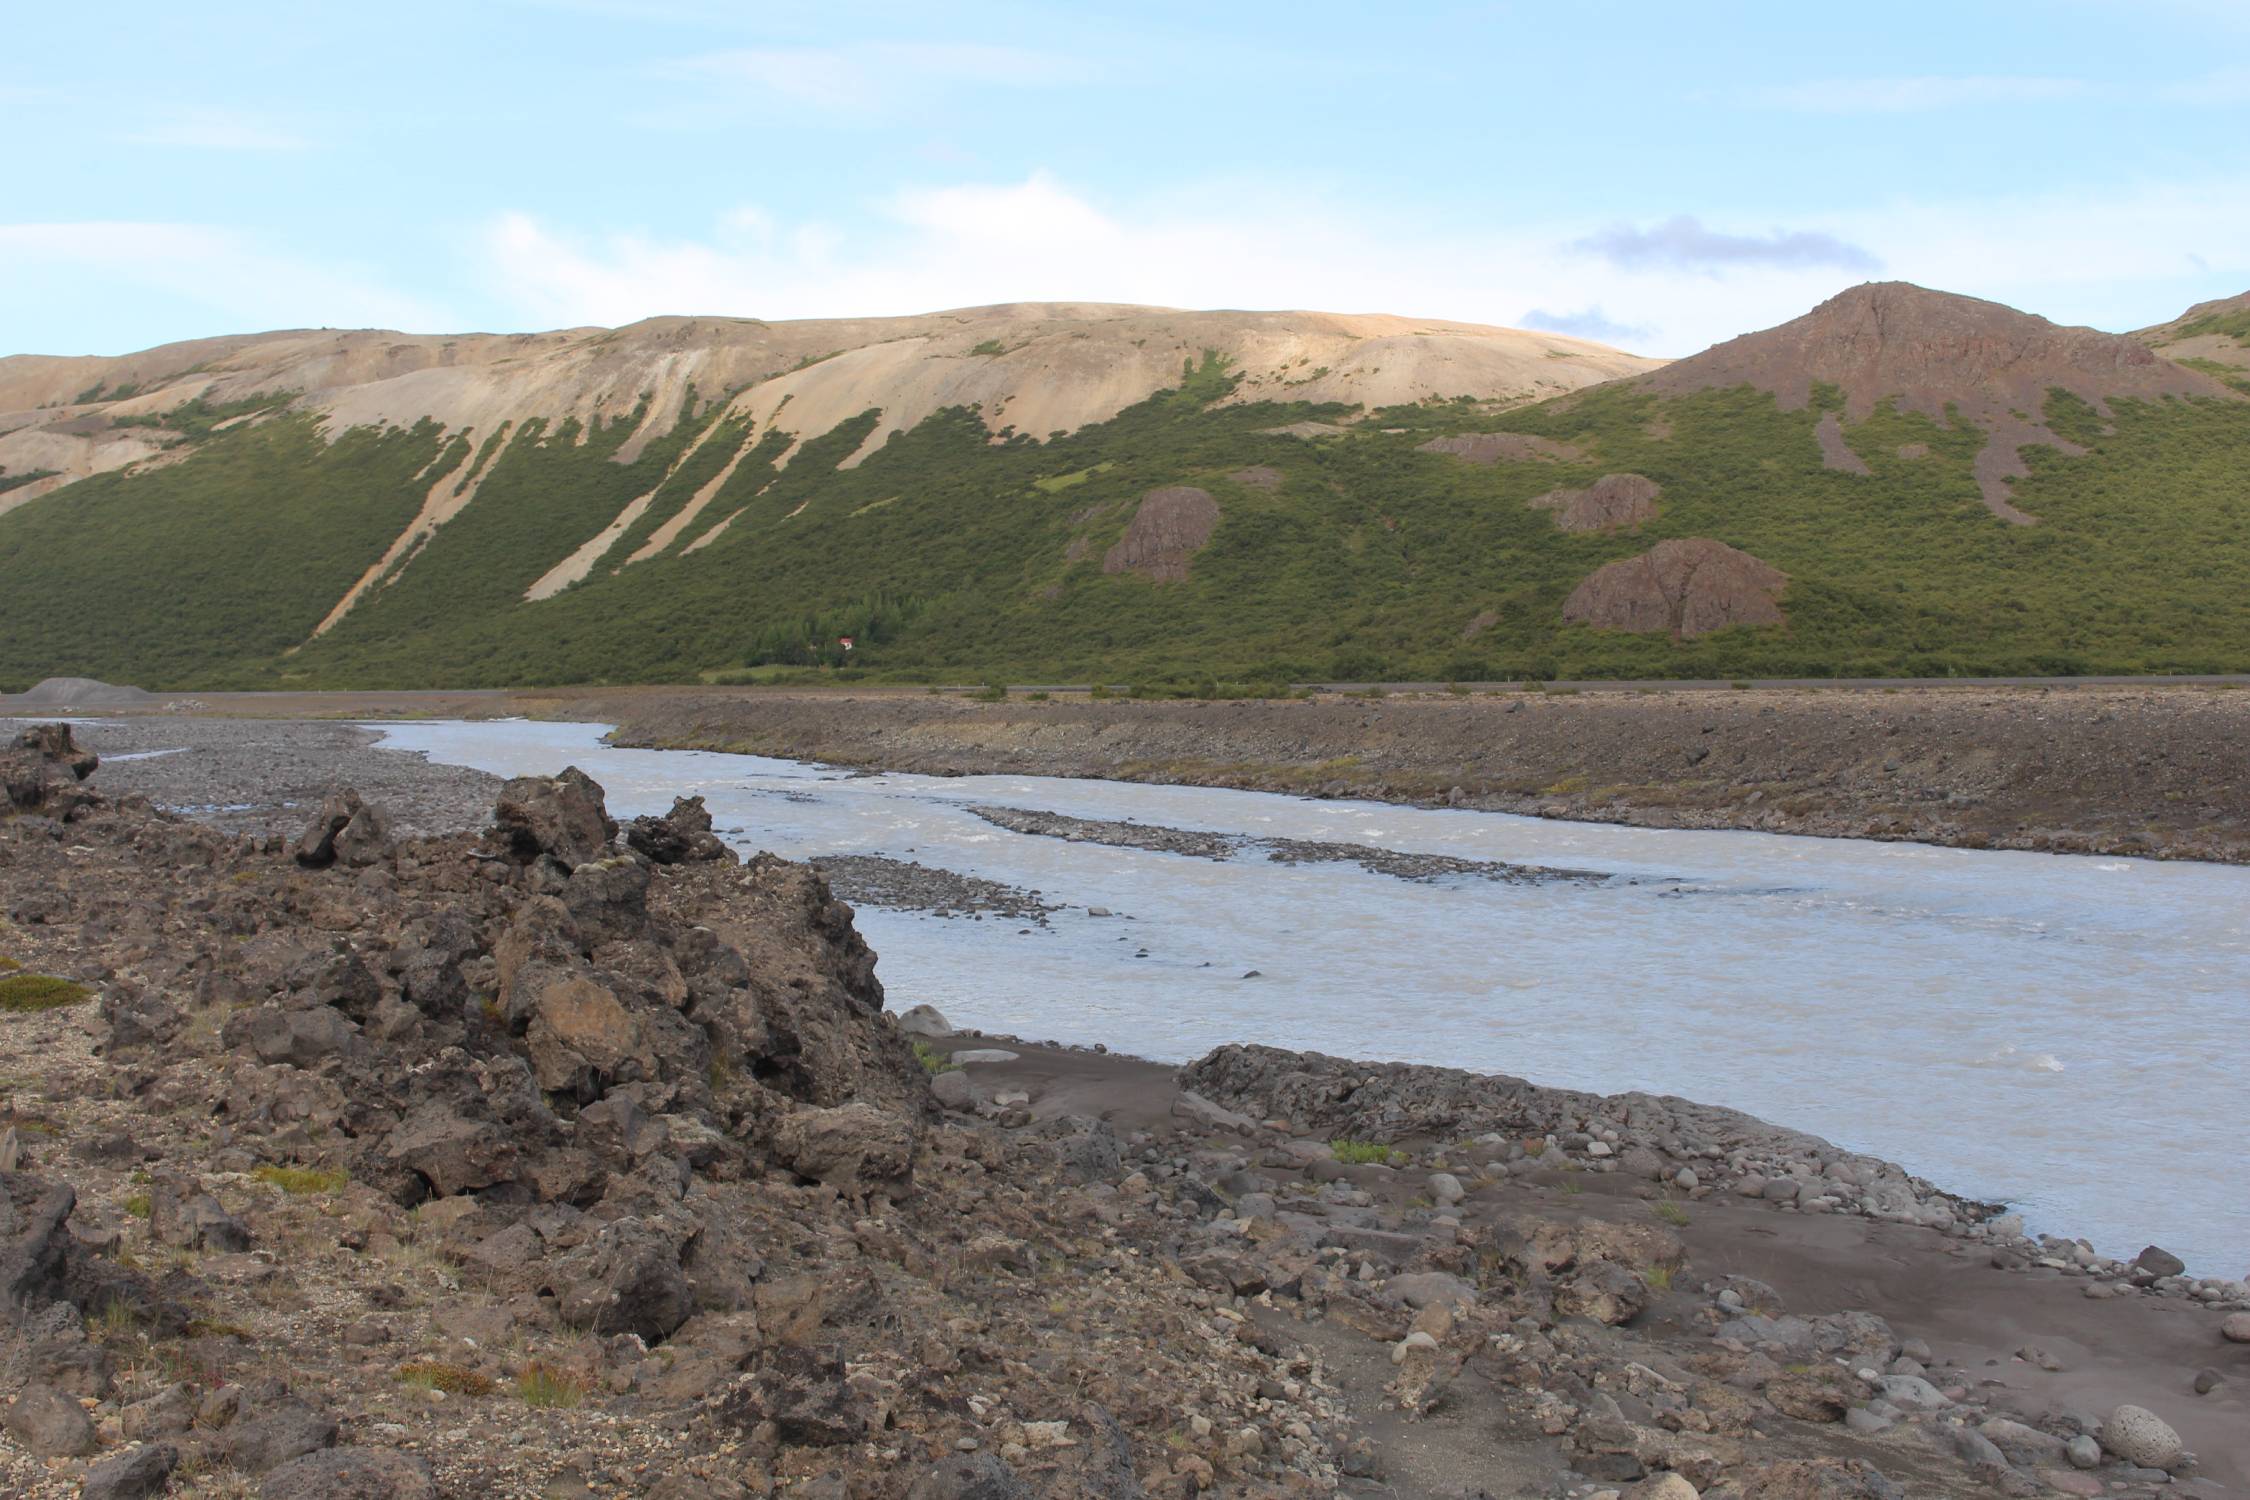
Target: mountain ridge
{"x":960,"y":496}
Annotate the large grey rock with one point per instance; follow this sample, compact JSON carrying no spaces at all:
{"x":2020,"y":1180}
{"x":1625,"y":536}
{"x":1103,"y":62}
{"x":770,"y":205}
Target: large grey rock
{"x":627,"y":1281}
{"x":563,"y":817}
{"x":954,"y":1090}
{"x":854,"y":1146}
{"x":49,"y":1423}
{"x":134,"y":1474}
{"x":1975,"y":1448}
{"x":351,"y":1474}
{"x":2235,"y":1329}
{"x":681,"y":836}
{"x":2022,"y":1444}
{"x":345,"y":831}
{"x":2140,"y":1436}
{"x":182,"y":1216}
{"x":925,"y":1020}
{"x":2158,"y":1261}
{"x":287,"y":1429}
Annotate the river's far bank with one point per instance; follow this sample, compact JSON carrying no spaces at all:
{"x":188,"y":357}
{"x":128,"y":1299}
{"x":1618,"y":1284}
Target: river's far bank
{"x":2152,"y":772}
{"x":2114,"y":768}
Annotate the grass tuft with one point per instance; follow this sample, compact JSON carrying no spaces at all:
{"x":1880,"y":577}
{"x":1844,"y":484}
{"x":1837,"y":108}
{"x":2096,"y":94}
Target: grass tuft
{"x":933,"y":1061}
{"x":301,"y":1180}
{"x":27,"y":993}
{"x":546,"y":1385}
{"x":1361,"y":1153}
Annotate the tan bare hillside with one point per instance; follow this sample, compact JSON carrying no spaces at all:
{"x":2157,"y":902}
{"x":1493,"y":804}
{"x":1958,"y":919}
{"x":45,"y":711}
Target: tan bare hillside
{"x":2211,"y":336}
{"x":1035,"y":367}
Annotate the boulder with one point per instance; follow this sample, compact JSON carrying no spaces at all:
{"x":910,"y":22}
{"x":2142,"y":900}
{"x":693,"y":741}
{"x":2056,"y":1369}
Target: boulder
{"x":925,"y":1020}
{"x":2235,"y":1328}
{"x":49,"y":1423}
{"x":183,"y":1216}
{"x":627,"y":1280}
{"x":2158,"y":1261}
{"x":351,"y":1474}
{"x":681,"y":836}
{"x":2140,"y":1436}
{"x":134,"y":1474}
{"x":582,"y":1039}
{"x":607,"y":899}
{"x":345,"y":831}
{"x":855,"y":1146}
{"x":565,"y":818}
{"x":1604,"y":1291}
{"x":1816,"y":1395}
{"x":41,"y":770}
{"x":282,"y":1430}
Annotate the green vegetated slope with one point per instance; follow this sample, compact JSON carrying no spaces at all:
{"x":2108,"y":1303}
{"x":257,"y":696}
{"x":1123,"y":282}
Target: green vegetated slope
{"x":950,"y":556}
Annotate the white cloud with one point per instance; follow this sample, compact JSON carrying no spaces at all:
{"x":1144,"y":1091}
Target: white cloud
{"x":215,"y":130}
{"x":1853,"y":96}
{"x":2071,"y":256}
{"x":873,"y":79}
{"x":242,"y":284}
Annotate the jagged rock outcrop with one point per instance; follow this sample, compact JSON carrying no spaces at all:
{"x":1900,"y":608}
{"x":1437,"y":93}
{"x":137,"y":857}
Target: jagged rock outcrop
{"x":41,"y":771}
{"x":1684,"y":587}
{"x":1170,"y":526}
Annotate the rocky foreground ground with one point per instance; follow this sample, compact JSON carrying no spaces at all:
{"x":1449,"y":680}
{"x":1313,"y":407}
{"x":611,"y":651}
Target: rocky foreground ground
{"x":2154,"y":771}
{"x":564,"y":1159}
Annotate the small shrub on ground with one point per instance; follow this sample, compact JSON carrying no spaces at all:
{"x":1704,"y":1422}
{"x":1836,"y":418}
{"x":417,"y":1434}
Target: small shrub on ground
{"x":932,"y":1060}
{"x":1361,"y":1153}
{"x":454,"y":1380}
{"x":543,"y":1384}
{"x":1671,"y":1213}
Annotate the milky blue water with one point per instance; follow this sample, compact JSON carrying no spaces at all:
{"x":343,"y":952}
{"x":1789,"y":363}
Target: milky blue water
{"x":2066,"y":1034}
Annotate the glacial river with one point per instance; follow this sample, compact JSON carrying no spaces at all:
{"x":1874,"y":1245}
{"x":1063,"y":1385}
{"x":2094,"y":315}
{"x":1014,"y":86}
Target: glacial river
{"x":2069,"y":1035}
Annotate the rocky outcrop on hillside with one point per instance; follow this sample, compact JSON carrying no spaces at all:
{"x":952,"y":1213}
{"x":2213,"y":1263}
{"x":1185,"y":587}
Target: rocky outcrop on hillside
{"x":1610,"y":503}
{"x":1685,"y":587}
{"x":1945,"y":356}
{"x":1168,"y":528}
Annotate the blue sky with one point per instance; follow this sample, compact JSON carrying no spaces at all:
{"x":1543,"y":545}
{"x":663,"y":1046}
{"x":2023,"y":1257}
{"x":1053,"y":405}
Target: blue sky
{"x":1656,"y":175}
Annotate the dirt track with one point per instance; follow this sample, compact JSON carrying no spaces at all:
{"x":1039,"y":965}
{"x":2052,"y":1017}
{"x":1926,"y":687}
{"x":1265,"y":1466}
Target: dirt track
{"x":2153,"y":771}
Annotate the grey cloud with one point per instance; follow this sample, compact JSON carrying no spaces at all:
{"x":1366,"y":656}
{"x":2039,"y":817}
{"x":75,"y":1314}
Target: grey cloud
{"x":1683,"y":244}
{"x":1586,"y":323}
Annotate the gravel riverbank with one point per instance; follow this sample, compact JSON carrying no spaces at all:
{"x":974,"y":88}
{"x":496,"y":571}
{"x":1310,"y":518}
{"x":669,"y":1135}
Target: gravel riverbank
{"x":267,"y":775}
{"x":2149,"y":771}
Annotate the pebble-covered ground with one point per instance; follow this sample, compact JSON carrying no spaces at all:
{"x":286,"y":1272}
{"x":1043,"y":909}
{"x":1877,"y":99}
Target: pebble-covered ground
{"x":268,"y":775}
